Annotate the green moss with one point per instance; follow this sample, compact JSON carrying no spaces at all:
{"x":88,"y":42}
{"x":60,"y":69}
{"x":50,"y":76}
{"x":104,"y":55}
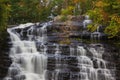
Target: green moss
{"x":63,"y":18}
{"x":92,"y":27}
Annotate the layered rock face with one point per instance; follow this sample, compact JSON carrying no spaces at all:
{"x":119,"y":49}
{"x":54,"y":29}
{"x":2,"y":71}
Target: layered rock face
{"x":73,"y":39}
{"x":52,"y":51}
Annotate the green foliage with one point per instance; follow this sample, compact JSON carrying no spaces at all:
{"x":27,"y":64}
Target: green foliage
{"x":76,"y":7}
{"x":92,"y":27}
{"x":113,"y":30}
{"x":34,"y":10}
{"x":56,"y":6}
{"x":107,"y":12}
{"x":63,"y":18}
{"x":29,"y":11}
{"x":68,"y":11}
{"x":86,"y":5}
{"x":96,"y":16}
{"x":4,"y":14}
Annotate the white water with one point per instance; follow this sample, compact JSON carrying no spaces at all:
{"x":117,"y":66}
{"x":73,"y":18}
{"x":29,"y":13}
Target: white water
{"x":86,"y":21}
{"x":96,"y":35}
{"x":28,"y":63}
{"x":87,"y":68}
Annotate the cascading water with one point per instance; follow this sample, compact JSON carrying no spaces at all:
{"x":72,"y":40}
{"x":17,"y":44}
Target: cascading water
{"x":35,"y":58}
{"x":28,"y":63}
{"x":87,"y":66}
{"x":86,"y":21}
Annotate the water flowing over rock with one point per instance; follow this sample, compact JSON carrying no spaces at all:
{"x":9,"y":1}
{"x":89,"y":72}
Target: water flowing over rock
{"x":36,"y":55}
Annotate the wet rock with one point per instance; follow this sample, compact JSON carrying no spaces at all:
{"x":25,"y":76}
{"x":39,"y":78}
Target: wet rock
{"x":51,"y":67}
{"x":64,"y":75}
{"x":5,"y":61}
{"x":65,"y":49}
{"x":19,"y":77}
{"x":99,"y":36}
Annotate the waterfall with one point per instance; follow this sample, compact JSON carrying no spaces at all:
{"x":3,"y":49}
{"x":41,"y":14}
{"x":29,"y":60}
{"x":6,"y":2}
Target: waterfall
{"x":87,"y":65}
{"x":27,"y":62}
{"x":86,"y":21}
{"x":34,"y":57}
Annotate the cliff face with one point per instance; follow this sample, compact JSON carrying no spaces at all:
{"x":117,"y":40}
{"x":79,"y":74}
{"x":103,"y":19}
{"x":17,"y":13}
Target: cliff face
{"x":57,"y":33}
{"x":117,"y":62}
{"x":5,"y":61}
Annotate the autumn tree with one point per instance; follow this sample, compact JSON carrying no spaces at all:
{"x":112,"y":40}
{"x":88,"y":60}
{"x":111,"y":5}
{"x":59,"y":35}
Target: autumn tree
{"x":4,"y":14}
{"x":29,"y":11}
{"x":106,"y":12}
